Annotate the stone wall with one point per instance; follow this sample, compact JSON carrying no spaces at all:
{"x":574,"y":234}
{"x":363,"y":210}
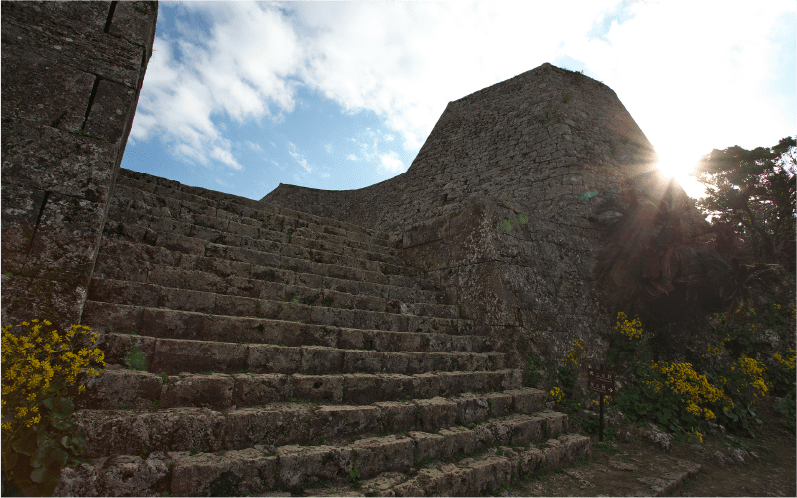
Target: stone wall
{"x":72,"y":72}
{"x":494,"y":205}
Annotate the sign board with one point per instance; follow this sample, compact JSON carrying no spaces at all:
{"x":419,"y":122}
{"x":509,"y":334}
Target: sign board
{"x":602,"y":382}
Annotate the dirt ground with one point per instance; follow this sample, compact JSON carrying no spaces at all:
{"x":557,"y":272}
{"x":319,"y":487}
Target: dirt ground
{"x":635,"y":466}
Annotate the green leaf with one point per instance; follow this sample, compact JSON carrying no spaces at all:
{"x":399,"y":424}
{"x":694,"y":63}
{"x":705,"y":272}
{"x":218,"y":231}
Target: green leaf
{"x":48,"y":457}
{"x":10,"y":460}
{"x":26,"y":444}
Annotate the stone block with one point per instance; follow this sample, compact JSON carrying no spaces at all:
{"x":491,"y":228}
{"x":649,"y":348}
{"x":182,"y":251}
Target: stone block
{"x":205,"y":391}
{"x":427,"y":446}
{"x":104,"y":317}
{"x":121,"y":388}
{"x":472,"y":408}
{"x":363,"y":361}
{"x":373,"y":456}
{"x":300,"y":466}
{"x":337,"y":421}
{"x":435,"y":413}
{"x":320,"y":360}
{"x":259,"y":389}
{"x":235,"y":472}
{"x":273,"y":359}
{"x":247,"y":427}
{"x":174,"y":356}
{"x":397,"y":416}
{"x":325,"y":388}
{"x":361,"y":389}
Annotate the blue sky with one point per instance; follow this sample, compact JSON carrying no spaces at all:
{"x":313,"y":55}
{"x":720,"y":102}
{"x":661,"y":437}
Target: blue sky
{"x":239,"y":96}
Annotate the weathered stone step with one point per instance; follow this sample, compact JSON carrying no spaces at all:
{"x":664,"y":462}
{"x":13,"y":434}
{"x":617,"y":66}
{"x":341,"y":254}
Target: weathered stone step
{"x":254,"y":234}
{"x":172,"y":198}
{"x":255,"y":250}
{"x":175,"y":324}
{"x":135,"y":206}
{"x":188,"y":290}
{"x":186,"y":355}
{"x":119,"y":432}
{"x":151,"y":323}
{"x":125,"y":260}
{"x":475,"y":476}
{"x":296,"y":466}
{"x":271,"y":254}
{"x":251,"y":471}
{"x":121,"y":388}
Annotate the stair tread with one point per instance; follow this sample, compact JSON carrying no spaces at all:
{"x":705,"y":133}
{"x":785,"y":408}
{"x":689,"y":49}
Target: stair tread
{"x":243,"y":312}
{"x":171,"y":292}
{"x":153,"y":183}
{"x":118,"y":257}
{"x":238,"y":208}
{"x":304,"y":422}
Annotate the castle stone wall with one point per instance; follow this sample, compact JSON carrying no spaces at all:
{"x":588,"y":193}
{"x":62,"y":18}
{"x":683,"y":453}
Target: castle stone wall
{"x":72,"y":73}
{"x":527,"y":149}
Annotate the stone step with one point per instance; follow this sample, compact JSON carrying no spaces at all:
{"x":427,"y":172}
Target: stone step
{"x":173,"y":356}
{"x":255,"y":234}
{"x":192,"y":290}
{"x":122,"y":388}
{"x":474,"y":476}
{"x":125,"y":260}
{"x":176,"y":199}
{"x":175,"y":324}
{"x":272,"y":254}
{"x":295,"y":466}
{"x":255,"y":250}
{"x":151,"y":323}
{"x":479,"y":454}
{"x":132,"y":205}
{"x":119,"y":432}
{"x":233,"y":205}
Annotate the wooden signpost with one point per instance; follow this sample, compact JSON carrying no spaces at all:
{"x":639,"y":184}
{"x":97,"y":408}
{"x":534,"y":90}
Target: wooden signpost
{"x":602,"y":382}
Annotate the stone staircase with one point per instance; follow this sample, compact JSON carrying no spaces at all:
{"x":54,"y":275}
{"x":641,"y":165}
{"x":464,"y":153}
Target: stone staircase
{"x":252,"y":349}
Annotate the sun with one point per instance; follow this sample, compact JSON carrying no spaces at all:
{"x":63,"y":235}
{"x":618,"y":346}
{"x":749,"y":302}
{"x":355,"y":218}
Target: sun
{"x":678,"y":167}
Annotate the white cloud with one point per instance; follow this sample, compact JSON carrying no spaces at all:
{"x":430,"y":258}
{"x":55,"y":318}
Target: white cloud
{"x":693,"y":78}
{"x":328,"y":148}
{"x":255,"y":146}
{"x":391,"y":163}
{"x":299,"y":158}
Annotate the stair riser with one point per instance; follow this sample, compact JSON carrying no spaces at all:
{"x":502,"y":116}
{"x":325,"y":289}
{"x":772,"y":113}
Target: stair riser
{"x":202,"y":292}
{"x":184,"y":429}
{"x":142,"y":390}
{"x":153,"y":322}
{"x":119,"y":260}
{"x":193,"y":249}
{"x":250,"y":472}
{"x":481,"y":477}
{"x":195,"y":221}
{"x":174,"y":356}
{"x":132,"y":195}
{"x":300,"y":465}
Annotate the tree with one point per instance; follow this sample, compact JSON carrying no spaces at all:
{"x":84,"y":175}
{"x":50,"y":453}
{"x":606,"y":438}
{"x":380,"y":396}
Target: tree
{"x":752,"y":192}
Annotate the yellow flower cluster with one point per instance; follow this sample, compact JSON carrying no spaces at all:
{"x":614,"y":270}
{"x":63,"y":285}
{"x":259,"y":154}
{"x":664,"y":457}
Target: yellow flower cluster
{"x":32,"y":362}
{"x":558,"y":394}
{"x":694,"y":388}
{"x":574,"y":355}
{"x":754,"y":372}
{"x":787,"y":362}
{"x":631,"y":329}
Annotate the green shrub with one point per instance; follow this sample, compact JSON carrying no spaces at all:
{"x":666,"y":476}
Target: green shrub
{"x":41,"y":372}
